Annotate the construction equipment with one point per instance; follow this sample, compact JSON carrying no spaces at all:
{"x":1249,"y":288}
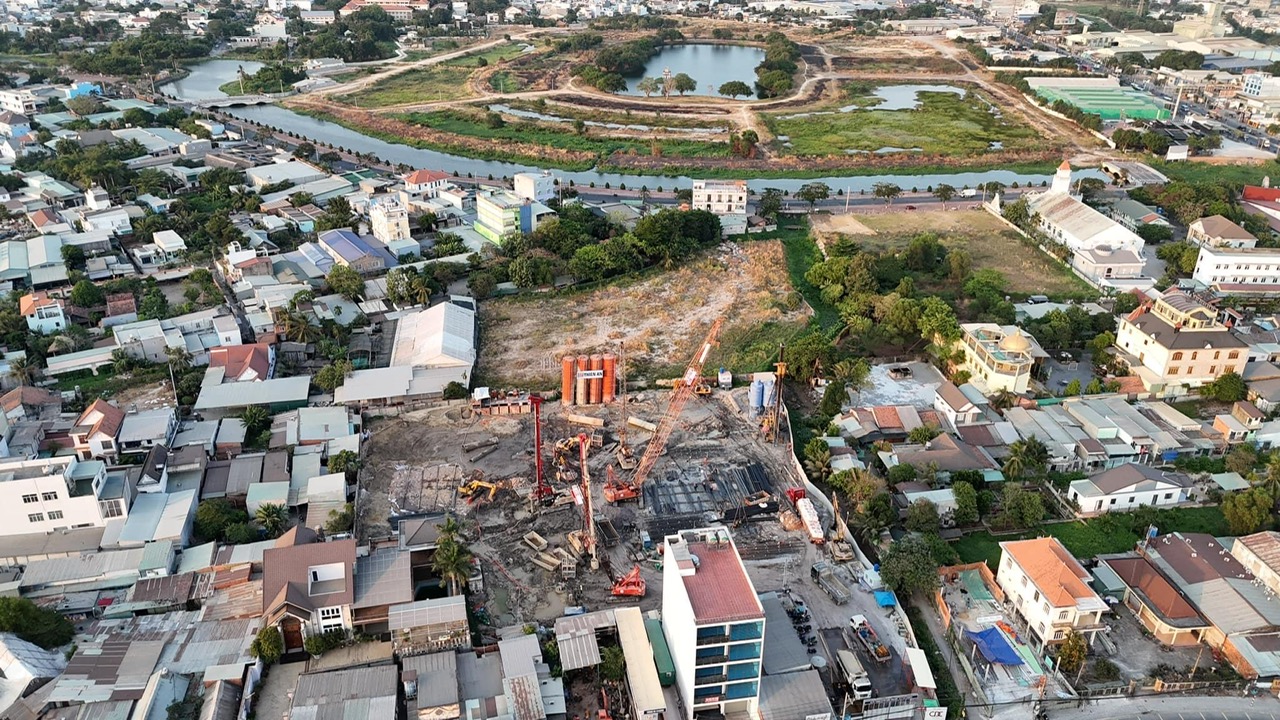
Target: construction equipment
{"x":616,"y":492}
{"x":841,"y":550}
{"x":684,"y":387}
{"x":630,"y":585}
{"x":625,"y":457}
{"x":542,"y":491}
{"x":588,"y":516}
{"x":773,"y":416}
{"x":702,"y":387}
{"x":472,"y":490}
{"x":535,"y":541}
{"x":822,"y":574}
{"x":868,"y":639}
{"x":808,"y":514}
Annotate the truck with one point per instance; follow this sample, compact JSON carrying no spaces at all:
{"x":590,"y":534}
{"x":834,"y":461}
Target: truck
{"x":822,"y":574}
{"x":855,"y":676}
{"x":968,"y":193}
{"x":808,"y":515}
{"x":868,"y":639}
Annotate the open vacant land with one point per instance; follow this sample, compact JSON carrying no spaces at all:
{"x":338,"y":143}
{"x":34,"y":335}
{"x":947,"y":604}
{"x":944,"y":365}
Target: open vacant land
{"x":661,"y":318}
{"x":988,"y":241}
{"x":944,"y":123}
{"x":425,"y":84}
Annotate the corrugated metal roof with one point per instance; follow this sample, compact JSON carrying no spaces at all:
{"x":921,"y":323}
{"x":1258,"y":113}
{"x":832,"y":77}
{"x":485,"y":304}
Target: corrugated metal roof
{"x":437,"y":678}
{"x":367,"y":693}
{"x":436,"y":611}
{"x":90,"y":566}
{"x":793,"y":695}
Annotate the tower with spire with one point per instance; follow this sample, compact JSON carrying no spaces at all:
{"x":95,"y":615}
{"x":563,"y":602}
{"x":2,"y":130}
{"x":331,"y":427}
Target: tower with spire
{"x":1062,"y":180}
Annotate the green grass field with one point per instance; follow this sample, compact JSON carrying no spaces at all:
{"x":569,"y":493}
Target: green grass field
{"x":944,"y":124}
{"x":1197,"y":172}
{"x":505,"y":82}
{"x":1095,"y":537}
{"x":802,"y":253}
{"x":473,"y":125}
{"x":491,"y":56}
{"x":426,"y":84}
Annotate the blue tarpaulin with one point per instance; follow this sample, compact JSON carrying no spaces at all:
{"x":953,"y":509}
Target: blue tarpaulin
{"x":994,"y":646}
{"x":886,"y":598}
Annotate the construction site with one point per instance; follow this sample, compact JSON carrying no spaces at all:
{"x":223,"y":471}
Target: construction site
{"x":566,"y":500}
{"x":563,"y":497}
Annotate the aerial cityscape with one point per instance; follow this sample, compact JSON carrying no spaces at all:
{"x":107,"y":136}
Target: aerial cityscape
{"x":640,"y":360}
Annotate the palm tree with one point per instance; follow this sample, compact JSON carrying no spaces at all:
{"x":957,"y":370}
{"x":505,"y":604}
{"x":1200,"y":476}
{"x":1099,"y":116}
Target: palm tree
{"x":120,"y":361}
{"x":1015,"y":464}
{"x":1270,"y":481}
{"x":852,"y":373}
{"x":24,"y":371}
{"x":452,"y":562}
{"x":866,"y":529}
{"x":420,"y":288}
{"x":450,"y":529}
{"x":1003,"y":400}
{"x":255,"y":418}
{"x":273,"y":517}
{"x":179,"y":358}
{"x":818,"y":463}
{"x":296,"y":327}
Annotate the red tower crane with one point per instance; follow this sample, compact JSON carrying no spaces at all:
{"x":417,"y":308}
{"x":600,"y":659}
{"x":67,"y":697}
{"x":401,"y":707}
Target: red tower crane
{"x":685,"y":387}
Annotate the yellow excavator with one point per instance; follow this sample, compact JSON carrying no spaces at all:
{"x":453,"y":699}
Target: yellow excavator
{"x":474,"y":489}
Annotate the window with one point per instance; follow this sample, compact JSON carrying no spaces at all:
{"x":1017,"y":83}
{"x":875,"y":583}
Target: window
{"x":1113,"y":501}
{"x":35,"y":517}
{"x":1036,"y":596}
{"x":1130,"y":498}
{"x":55,"y":514}
{"x":1233,"y":354}
{"x":1024,"y":581}
{"x":1058,"y":634}
{"x":110,"y":509}
{"x":49,"y":495}
{"x":1062,"y":615}
{"x":330,"y":618}
{"x":1213,"y":369}
{"x":1177,"y":356}
{"x":1168,"y":496}
{"x":28,"y":499}
{"x":1045,"y":608}
{"x":1173,"y":371}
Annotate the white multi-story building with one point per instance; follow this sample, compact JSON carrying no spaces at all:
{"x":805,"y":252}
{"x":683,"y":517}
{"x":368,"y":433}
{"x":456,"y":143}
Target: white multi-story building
{"x":1049,"y":590}
{"x":389,"y":220}
{"x":1239,"y":271}
{"x":43,"y":313}
{"x":426,"y":183}
{"x":999,"y":357}
{"x":1067,"y":220}
{"x":1256,"y":85}
{"x":48,"y":494}
{"x":713,"y":622}
{"x":721,"y":197}
{"x":1177,"y":343}
{"x":535,"y":186}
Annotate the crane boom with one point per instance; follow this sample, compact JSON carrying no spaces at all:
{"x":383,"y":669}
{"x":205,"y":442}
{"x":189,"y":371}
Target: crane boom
{"x":584,"y":444}
{"x":680,"y":395}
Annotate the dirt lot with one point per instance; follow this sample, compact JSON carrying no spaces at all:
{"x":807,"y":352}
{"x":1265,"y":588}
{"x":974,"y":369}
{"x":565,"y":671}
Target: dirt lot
{"x":988,"y":241}
{"x":415,"y":463}
{"x":661,"y":319}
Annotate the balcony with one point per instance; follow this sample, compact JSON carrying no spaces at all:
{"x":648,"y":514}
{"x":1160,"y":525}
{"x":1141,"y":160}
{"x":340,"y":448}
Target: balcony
{"x":712,"y":660}
{"x":711,"y":679}
{"x":720,"y":639}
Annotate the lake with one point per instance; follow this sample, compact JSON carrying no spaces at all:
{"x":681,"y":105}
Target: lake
{"x":710,"y":65}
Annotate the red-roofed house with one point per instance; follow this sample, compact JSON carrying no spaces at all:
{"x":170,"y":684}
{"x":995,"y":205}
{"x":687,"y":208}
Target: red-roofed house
{"x":713,"y":622}
{"x":1049,"y":589}
{"x":1265,"y":200}
{"x":426,"y":183}
{"x":243,"y":363}
{"x":47,"y":221}
{"x":96,"y":429}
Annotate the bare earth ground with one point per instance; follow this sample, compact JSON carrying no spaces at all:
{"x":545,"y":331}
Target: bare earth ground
{"x":988,"y":241}
{"x":661,"y":318}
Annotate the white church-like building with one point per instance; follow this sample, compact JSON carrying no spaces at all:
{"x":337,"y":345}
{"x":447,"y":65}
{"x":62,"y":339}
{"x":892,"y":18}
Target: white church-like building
{"x":1102,"y":251}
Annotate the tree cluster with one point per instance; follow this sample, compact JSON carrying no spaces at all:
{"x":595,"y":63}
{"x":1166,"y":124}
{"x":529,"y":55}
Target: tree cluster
{"x":775,"y":74}
{"x":162,"y":44}
{"x":1187,"y":202}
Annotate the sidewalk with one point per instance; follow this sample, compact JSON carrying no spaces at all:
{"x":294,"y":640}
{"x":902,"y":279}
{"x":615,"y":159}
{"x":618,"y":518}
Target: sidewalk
{"x":1166,"y":707}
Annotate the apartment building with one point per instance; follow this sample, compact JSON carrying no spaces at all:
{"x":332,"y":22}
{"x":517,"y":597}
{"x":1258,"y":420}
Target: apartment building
{"x":501,"y":213}
{"x":1049,"y":590}
{"x":49,"y":494}
{"x":999,"y":357}
{"x":1176,"y":344}
{"x":389,"y":220}
{"x":721,"y":197}
{"x":540,"y":187}
{"x":713,"y":622}
{"x":1239,"y":271}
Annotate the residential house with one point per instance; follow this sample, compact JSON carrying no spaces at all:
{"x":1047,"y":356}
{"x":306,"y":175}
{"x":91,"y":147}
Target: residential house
{"x":945,"y":452}
{"x":426,"y":183}
{"x":1218,"y":232}
{"x":219,"y":399}
{"x":1128,"y":487}
{"x":1241,"y":424}
{"x":432,"y":348}
{"x":95,"y":431}
{"x":30,"y":403}
{"x":122,"y":308}
{"x":14,"y":124}
{"x":43,"y":314}
{"x":539,"y":186}
{"x":388,"y":220}
{"x":141,"y":431}
{"x":720,"y":197}
{"x":1049,"y":590}
{"x":1176,"y":344}
{"x":307,"y":585}
{"x":959,"y":407}
{"x":999,"y":358}
{"x":1155,"y":602}
{"x":347,"y":248}
{"x":500,"y":213}
{"x":243,"y":363}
